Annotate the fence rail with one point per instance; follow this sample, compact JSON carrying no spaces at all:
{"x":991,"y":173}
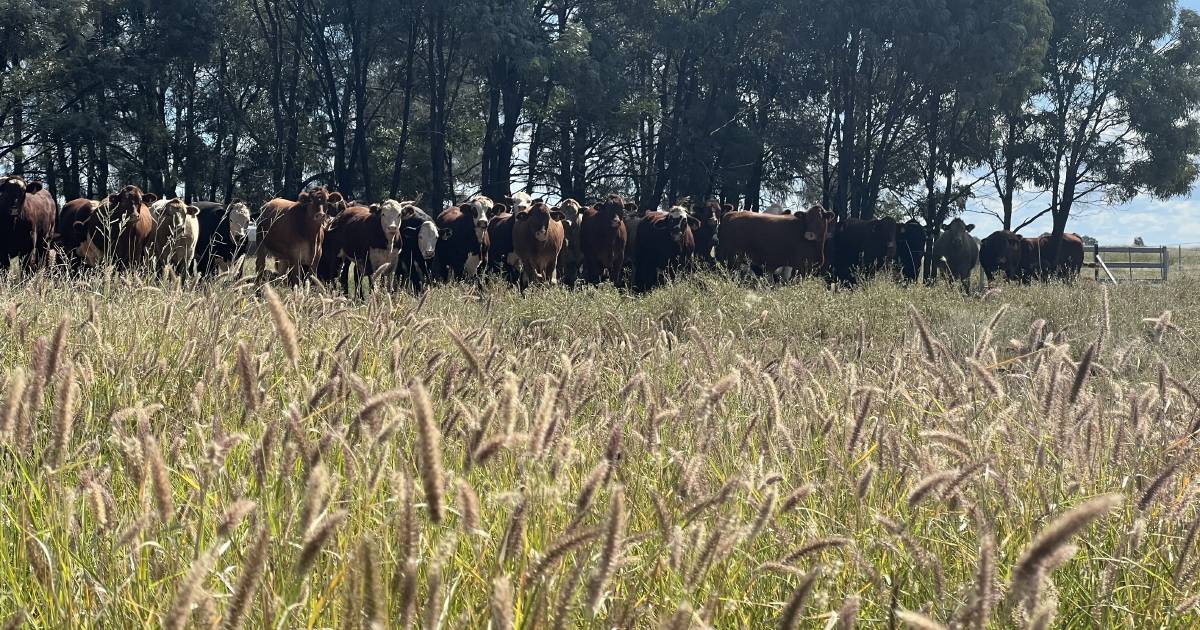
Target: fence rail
{"x":1107,"y":261}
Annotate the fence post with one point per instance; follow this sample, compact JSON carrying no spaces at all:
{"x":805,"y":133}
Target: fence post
{"x":1166,"y":262}
{"x":1096,"y":260}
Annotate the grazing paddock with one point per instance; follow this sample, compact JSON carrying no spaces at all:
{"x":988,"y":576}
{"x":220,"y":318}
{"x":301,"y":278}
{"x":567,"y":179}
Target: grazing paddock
{"x":708,"y":455}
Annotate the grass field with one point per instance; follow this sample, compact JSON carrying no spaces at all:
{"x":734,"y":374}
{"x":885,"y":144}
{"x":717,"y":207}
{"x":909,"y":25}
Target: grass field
{"x":710,"y":455}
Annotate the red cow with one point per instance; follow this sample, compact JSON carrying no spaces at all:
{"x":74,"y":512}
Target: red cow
{"x":775,"y":241}
{"x":537,"y":240}
{"x":602,"y":238}
{"x":293,"y":232}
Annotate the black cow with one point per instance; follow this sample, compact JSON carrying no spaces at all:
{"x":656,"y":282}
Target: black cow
{"x":861,"y":248}
{"x":664,"y":244}
{"x":910,"y":248}
{"x":222,"y":235}
{"x":463,"y":243}
{"x":418,"y":249}
{"x":1000,"y":253}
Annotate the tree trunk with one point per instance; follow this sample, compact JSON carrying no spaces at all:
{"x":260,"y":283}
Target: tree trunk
{"x":402,"y":145}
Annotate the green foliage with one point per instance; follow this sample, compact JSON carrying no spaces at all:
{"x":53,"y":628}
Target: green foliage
{"x":870,"y":108}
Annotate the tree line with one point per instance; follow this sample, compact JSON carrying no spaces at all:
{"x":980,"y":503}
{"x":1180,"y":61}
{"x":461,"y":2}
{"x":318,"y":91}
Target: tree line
{"x":903,"y":107}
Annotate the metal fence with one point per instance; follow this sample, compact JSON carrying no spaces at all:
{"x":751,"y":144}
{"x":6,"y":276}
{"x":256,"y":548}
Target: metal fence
{"x":1115,"y":264}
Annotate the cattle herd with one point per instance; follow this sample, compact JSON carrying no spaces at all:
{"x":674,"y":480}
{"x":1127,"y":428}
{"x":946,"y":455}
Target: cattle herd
{"x":526,"y":241}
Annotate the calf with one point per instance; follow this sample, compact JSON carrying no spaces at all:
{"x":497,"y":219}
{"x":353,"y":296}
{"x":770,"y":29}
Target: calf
{"x":538,"y":235}
{"x":367,"y":236}
{"x":774,"y":241}
{"x":664,"y":243}
{"x":1000,"y":253}
{"x":223,"y":235}
{"x":602,"y":238}
{"x":293,"y":232}
{"x":464,"y":242}
{"x":27,"y":216}
{"x":956,"y":252}
{"x":419,"y":241}
{"x":176,"y":232}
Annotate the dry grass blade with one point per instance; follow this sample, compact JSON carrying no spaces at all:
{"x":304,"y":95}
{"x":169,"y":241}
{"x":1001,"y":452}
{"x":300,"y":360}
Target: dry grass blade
{"x":429,"y":441}
{"x":180,"y":613}
{"x":1055,"y":536}
{"x":789,"y":619}
{"x":918,"y":621}
{"x":283,"y":326}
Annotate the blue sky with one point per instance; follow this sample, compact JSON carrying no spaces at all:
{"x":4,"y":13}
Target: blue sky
{"x":1170,"y":222}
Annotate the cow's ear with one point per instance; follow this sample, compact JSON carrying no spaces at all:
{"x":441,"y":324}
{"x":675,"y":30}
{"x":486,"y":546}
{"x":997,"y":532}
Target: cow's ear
{"x":149,"y":198}
{"x":112,"y":199}
{"x":445,"y":233}
{"x":497,"y":210}
{"x":374,"y":208}
{"x":193,"y":210}
{"x":557,"y":215}
{"x":78,"y":227}
{"x":521,"y":216}
{"x":693,"y":222}
{"x":33,"y":188}
{"x":970,"y":226}
{"x":336,"y":198}
{"x":303,"y":198}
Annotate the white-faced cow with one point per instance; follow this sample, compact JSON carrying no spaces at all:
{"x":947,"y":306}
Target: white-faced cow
{"x":176,"y":232}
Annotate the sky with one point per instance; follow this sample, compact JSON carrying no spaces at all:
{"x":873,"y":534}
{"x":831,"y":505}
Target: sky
{"x":1171,"y":222}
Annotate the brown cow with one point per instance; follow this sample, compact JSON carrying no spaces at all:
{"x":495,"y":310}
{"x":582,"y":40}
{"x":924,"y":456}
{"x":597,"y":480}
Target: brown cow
{"x":775,"y":241}
{"x":367,"y":236}
{"x":537,"y":240}
{"x":1039,"y":255}
{"x":294,"y":231}
{"x":27,"y":215}
{"x":129,"y":209}
{"x":603,"y":237}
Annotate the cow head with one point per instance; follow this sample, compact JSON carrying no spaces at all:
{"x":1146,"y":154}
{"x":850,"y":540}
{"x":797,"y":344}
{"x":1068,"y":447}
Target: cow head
{"x":538,"y":218}
{"x":958,"y":226}
{"x":477,"y":208}
{"x":678,"y":222}
{"x":819,"y":224}
{"x":572,"y":210}
{"x":320,"y":204}
{"x":521,"y":202}
{"x":612,"y":211}
{"x":419,"y":228}
{"x":239,"y":220}
{"x":885,"y":233}
{"x":175,"y":212}
{"x":129,"y":201}
{"x":12,"y":194}
{"x":709,"y":214}
{"x":391,"y":215}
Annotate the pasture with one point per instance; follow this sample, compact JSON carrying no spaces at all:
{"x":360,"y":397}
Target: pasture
{"x":709,"y":455}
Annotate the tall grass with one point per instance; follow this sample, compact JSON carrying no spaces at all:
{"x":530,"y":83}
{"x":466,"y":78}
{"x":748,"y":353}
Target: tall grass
{"x":713,"y":454}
